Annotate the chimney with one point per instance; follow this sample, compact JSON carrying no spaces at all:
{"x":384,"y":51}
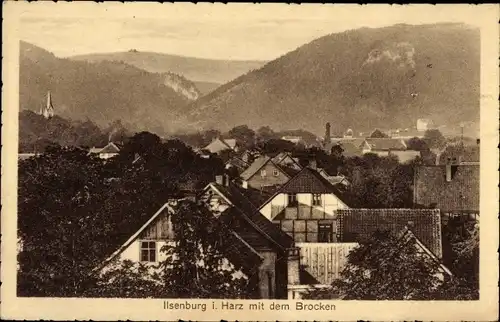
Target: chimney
{"x":293,"y":266}
{"x":219,"y":179}
{"x":448,"y":172}
{"x":313,"y":164}
{"x":244,"y":184}
{"x":327,"y":139}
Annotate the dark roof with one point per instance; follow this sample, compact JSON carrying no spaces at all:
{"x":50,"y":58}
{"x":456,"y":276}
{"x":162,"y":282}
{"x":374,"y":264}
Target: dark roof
{"x":250,"y":213}
{"x":466,"y":153}
{"x":432,"y":190}
{"x":311,"y":181}
{"x":386,"y":144}
{"x":356,"y":225}
{"x":349,"y":147}
{"x":238,"y":163}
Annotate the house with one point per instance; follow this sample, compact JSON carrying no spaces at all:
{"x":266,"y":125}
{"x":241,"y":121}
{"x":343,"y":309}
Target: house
{"x":453,"y":188}
{"x":334,"y":179}
{"x":219,"y":144}
{"x":146,"y":241}
{"x":109,"y":151}
{"x":305,"y":207}
{"x":383,"y":146}
{"x":232,"y":204}
{"x":236,"y":163}
{"x":293,"y":139}
{"x":350,"y":146}
{"x":424,"y":125}
{"x":285,"y":160}
{"x":263,"y":172}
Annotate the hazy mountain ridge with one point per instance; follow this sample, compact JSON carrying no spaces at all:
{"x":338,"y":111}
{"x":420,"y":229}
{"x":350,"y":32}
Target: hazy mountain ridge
{"x":194,"y":69}
{"x":102,"y":92}
{"x":364,"y":78}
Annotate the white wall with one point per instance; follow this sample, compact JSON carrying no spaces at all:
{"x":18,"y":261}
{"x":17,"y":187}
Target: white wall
{"x":330,"y":203}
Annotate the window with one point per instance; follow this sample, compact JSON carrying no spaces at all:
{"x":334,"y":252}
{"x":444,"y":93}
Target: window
{"x":316,"y":200}
{"x":276,"y":173}
{"x":325,"y":233}
{"x":263,"y":173}
{"x":292,"y":200}
{"x":148,"y":251}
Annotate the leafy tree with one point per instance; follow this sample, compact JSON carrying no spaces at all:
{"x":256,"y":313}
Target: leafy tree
{"x":275,"y":146}
{"x":265,"y":133}
{"x":434,"y":139}
{"x":417,"y":144}
{"x":243,"y":135}
{"x":385,"y":267}
{"x":196,"y":266}
{"x":56,"y":192}
{"x":378,"y":134}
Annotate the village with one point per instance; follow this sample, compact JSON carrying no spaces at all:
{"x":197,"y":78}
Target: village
{"x":291,"y":215}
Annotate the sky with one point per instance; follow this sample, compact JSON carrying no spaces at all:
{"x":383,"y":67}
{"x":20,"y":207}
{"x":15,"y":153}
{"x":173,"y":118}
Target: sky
{"x":215,"y":31}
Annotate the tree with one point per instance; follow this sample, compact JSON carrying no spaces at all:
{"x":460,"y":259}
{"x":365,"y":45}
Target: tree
{"x":378,"y":134}
{"x":417,"y":144}
{"x":434,"y":139}
{"x":243,"y":135}
{"x":265,"y":133}
{"x":196,"y":266}
{"x":385,"y":267}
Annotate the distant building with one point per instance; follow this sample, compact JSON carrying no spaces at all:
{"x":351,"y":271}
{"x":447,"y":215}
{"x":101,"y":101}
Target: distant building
{"x":424,"y":125}
{"x":293,"y":139}
{"x":383,"y":147}
{"x":219,"y":144}
{"x":48,"y":110}
{"x":109,"y":151}
{"x":263,"y":172}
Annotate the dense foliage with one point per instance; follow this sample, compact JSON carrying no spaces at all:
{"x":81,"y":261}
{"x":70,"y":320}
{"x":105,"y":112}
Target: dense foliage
{"x":389,"y":267}
{"x":74,"y":208}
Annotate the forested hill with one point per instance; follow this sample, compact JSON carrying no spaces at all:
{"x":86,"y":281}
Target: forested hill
{"x":365,"y":78}
{"x":102,"y":92}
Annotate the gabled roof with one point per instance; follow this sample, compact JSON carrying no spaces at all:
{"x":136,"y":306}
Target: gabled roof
{"x":110,"y":148}
{"x":386,"y":144}
{"x":355,"y":225}
{"x":461,"y":193}
{"x":407,"y":235}
{"x":237,"y":163}
{"x":310,"y":181}
{"x":258,"y":164}
{"x":219,"y":144}
{"x":237,"y":250}
{"x":249,"y":212}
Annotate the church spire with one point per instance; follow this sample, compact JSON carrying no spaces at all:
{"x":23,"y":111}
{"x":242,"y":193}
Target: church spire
{"x":48,"y":110}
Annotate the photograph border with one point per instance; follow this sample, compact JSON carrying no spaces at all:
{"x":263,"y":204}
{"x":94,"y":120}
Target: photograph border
{"x":153,"y":309}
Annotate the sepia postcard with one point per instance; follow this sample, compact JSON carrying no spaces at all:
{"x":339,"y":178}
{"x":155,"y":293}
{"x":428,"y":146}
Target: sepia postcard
{"x":249,"y":162}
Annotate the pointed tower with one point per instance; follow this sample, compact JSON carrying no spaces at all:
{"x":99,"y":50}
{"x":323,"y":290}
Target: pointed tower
{"x":49,"y":109}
